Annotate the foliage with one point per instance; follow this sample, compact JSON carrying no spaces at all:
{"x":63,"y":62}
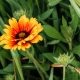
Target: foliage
{"x":60,"y":21}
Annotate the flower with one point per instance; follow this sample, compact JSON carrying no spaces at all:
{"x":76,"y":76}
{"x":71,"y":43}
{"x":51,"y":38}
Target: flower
{"x":21,"y":34}
{"x":64,"y":59}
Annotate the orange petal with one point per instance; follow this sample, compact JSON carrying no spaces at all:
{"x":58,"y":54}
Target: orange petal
{"x":37,"y":39}
{"x":34,"y":32}
{"x":13,"y":23}
{"x":24,"y":46}
{"x":37,"y":29}
{"x":7,"y":47}
{"x":22,"y":22}
{"x":28,"y":27}
{"x":33,"y":21}
{"x":27,"y":45}
{"x":15,"y":47}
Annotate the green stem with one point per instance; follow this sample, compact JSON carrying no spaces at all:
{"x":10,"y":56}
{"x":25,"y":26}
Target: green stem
{"x":64,"y":68}
{"x":38,"y":66}
{"x":70,"y":46}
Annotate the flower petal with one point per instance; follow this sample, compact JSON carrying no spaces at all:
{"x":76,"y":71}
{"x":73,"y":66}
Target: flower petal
{"x":13,"y":23}
{"x":34,"y":32}
{"x":33,"y":21}
{"x":24,"y":46}
{"x":37,"y":39}
{"x":22,"y":23}
{"x":7,"y":46}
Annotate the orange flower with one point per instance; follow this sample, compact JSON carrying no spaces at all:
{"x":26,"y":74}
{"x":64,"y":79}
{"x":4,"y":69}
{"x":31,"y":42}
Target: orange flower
{"x":21,"y":34}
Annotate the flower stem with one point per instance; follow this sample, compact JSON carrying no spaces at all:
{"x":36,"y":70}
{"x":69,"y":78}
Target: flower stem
{"x":70,"y":46}
{"x":64,"y":73}
{"x":36,"y":63}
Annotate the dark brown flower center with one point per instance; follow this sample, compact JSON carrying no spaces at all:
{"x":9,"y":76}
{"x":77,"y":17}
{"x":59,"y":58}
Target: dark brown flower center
{"x":22,"y":35}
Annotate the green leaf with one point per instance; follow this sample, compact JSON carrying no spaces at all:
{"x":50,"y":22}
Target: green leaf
{"x":49,"y":56}
{"x":16,"y":58}
{"x":76,"y":49}
{"x":52,"y":32}
{"x":9,"y":77}
{"x":53,"y":42}
{"x":1,"y":25}
{"x":75,"y":6}
{"x":45,"y":15}
{"x":53,"y":2}
{"x":75,"y":63}
{"x":46,"y":66}
{"x":71,"y":74}
{"x":55,"y":18}
{"x":2,"y":60}
{"x":51,"y":74}
{"x":66,"y":31}
{"x":7,"y":70}
{"x":14,"y":5}
{"x":38,"y":66}
{"x":77,"y":2}
{"x":75,"y":19}
{"x":4,"y":54}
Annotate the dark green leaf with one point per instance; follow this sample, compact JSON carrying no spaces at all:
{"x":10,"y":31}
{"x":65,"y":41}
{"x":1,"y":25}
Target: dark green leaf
{"x":46,"y":14}
{"x":49,"y":56}
{"x":71,"y":74}
{"x":52,"y":32}
{"x":75,"y":19}
{"x":53,"y":42}
{"x":66,"y":30}
{"x":53,"y":2}
{"x":55,"y":18}
{"x":7,"y":70}
{"x":76,"y":49}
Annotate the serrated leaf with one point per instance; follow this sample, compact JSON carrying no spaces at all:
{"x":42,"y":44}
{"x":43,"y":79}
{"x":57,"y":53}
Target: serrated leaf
{"x":52,"y":32}
{"x":66,"y":30}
